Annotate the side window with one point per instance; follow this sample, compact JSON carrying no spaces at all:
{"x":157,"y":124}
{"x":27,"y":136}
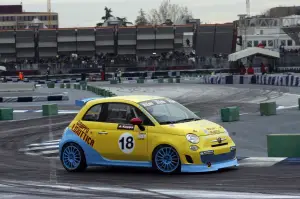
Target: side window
{"x":117,"y":113}
{"x":93,"y":113}
{"x":122,"y":114}
{"x":143,"y":117}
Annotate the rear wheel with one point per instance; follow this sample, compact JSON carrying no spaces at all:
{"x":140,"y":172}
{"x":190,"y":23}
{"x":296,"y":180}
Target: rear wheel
{"x":73,"y":158}
{"x":166,"y":159}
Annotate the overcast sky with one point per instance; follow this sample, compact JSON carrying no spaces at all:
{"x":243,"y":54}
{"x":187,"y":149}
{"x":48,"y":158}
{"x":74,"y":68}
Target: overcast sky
{"x":75,"y":13}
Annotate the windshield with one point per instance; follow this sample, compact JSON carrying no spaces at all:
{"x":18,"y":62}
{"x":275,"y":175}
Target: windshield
{"x":167,"y":111}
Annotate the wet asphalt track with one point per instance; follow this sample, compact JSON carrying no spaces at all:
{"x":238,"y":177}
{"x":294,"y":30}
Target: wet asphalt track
{"x":16,"y":169}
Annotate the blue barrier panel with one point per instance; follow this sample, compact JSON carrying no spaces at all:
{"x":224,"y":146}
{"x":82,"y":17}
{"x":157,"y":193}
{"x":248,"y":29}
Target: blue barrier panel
{"x":82,"y":102}
{"x":229,"y":79}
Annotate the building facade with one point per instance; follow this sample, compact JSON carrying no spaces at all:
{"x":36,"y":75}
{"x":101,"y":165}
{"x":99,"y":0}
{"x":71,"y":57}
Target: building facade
{"x":12,"y":17}
{"x":34,"y":44}
{"x":267,"y":31}
{"x":272,"y":34}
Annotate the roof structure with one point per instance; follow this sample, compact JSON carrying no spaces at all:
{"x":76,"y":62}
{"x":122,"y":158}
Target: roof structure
{"x":253,"y":51}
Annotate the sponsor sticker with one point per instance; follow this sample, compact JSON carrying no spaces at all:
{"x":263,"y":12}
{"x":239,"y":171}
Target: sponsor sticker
{"x":125,"y":126}
{"x":82,"y":131}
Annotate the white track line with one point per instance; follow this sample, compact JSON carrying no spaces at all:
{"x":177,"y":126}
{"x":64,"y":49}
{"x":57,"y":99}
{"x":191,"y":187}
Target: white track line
{"x":218,"y":194}
{"x":42,"y":148}
{"x":43,"y":144}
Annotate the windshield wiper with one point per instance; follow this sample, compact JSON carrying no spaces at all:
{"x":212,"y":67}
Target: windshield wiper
{"x":167,"y":122}
{"x":187,"y":120}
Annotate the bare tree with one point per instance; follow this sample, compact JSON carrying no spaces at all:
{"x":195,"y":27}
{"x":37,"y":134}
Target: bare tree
{"x":167,"y":12}
{"x":141,"y":19}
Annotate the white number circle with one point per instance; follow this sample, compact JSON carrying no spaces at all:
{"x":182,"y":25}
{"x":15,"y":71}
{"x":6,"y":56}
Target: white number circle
{"x":126,"y":143}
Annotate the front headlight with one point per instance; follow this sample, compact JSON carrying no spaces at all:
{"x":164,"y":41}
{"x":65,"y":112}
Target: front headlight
{"x":192,"y":138}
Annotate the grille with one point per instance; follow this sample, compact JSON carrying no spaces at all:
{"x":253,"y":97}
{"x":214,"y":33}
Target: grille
{"x":216,"y":145}
{"x":218,"y":158}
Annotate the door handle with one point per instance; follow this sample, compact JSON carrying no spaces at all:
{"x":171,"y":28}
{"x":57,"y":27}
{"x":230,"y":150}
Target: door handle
{"x":102,"y":133}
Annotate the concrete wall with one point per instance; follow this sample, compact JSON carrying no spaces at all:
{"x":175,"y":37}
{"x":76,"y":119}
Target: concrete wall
{"x":105,"y":40}
{"x":66,"y":41}
{"x":127,"y":40}
{"x":205,"y":40}
{"x":7,"y":46}
{"x":25,"y":45}
{"x":164,"y":38}
{"x":86,"y":42}
{"x":47,"y":43}
{"x":223,"y":39}
{"x":178,"y":37}
{"x":143,"y":41}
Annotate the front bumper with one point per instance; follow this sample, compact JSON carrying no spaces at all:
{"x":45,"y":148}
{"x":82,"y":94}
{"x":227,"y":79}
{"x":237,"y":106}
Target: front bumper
{"x":197,"y":168}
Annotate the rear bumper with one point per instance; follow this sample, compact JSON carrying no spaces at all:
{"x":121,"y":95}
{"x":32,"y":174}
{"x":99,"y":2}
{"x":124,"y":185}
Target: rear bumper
{"x":196,"y":168}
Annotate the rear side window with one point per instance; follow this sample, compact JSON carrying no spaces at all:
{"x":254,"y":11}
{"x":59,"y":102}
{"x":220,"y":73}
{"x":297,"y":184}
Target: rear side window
{"x":93,"y":113}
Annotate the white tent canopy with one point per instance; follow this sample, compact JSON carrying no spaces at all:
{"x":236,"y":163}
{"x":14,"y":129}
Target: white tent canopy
{"x":252,"y":51}
{"x":2,"y":68}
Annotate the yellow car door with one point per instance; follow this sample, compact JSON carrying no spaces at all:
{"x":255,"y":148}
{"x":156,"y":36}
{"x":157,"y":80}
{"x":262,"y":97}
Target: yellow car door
{"x":121,"y":140}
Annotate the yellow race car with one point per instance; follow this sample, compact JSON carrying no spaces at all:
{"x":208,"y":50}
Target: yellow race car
{"x":144,"y":131}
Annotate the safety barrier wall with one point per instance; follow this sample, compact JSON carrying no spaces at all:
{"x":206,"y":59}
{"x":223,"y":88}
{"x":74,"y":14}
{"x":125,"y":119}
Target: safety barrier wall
{"x":276,"y":80}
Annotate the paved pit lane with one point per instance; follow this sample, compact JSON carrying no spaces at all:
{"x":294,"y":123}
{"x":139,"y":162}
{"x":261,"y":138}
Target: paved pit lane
{"x":32,"y":176}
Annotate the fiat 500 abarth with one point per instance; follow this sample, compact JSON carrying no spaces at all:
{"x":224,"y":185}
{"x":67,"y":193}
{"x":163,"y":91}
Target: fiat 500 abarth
{"x":144,"y":131}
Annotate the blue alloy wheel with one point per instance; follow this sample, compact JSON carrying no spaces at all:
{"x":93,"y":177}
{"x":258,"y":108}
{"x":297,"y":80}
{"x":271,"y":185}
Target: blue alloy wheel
{"x":73,"y":158}
{"x":167,"y":159}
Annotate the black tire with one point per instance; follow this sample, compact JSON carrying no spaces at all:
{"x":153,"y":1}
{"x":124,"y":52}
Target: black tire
{"x":80,"y":165}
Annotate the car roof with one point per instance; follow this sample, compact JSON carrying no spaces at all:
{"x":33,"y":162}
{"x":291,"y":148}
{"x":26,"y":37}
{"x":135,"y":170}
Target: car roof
{"x":132,"y":98}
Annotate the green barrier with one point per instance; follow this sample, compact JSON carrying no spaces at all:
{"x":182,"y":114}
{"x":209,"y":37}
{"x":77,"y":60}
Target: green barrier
{"x":6,"y":114}
{"x":177,"y":80}
{"x":74,"y":86}
{"x":83,"y":87}
{"x":93,"y":89}
{"x":113,"y":81}
{"x":78,"y":86}
{"x":110,"y":94}
{"x":140,"y":81}
{"x":83,"y":83}
{"x":105,"y":93}
{"x":62,"y":85}
{"x":299,"y":103}
{"x":51,"y":85}
{"x":50,"y":109}
{"x":170,"y":80}
{"x":230,"y":114}
{"x":96,"y":91}
{"x":268,"y":108}
{"x":160,"y":80}
{"x":283,"y":145}
{"x":68,"y":85}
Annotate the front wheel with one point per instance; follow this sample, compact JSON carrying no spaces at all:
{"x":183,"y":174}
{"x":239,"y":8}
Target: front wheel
{"x":73,"y":158}
{"x":166,"y":159}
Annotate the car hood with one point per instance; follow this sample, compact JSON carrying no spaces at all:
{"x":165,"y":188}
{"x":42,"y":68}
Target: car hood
{"x":199,"y":127}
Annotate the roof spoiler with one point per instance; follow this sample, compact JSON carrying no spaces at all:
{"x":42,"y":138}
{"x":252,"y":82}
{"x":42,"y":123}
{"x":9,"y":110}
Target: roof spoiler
{"x":82,"y":102}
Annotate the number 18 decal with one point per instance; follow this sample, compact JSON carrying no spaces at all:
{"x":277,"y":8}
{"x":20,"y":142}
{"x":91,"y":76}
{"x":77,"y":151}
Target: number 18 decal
{"x":126,"y":143}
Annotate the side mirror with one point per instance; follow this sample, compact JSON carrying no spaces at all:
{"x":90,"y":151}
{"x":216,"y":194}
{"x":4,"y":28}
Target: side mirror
{"x":136,"y":121}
